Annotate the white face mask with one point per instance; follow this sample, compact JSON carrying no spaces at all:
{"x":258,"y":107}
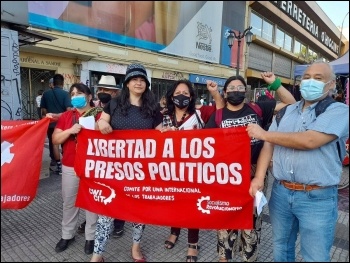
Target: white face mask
{"x":312,"y":89}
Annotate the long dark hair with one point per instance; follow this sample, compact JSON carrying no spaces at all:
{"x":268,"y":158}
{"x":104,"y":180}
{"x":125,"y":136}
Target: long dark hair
{"x":82,"y":88}
{"x":169,"y":95}
{"x":148,"y":107}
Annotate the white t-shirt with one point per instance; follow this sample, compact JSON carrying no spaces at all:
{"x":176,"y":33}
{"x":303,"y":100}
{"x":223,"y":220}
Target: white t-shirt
{"x":38,"y":100}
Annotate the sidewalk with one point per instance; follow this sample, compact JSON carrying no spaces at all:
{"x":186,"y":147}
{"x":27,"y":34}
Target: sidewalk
{"x":31,"y":234}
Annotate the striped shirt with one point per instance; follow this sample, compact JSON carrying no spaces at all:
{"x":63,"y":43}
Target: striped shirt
{"x":321,"y":166}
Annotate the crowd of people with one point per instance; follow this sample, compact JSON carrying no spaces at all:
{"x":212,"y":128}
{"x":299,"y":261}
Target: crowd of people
{"x":299,"y":138}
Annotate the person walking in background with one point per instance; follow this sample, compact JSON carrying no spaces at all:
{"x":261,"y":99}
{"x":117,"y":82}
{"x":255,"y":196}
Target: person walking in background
{"x":65,"y":133}
{"x":106,"y":90}
{"x":198,"y":104}
{"x":181,"y":114}
{"x":55,"y":100}
{"x":134,"y":108}
{"x":307,"y":146}
{"x":238,"y":113}
{"x":38,"y":101}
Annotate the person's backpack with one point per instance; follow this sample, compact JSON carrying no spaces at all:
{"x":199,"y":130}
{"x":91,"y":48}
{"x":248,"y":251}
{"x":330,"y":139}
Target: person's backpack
{"x":255,"y":107}
{"x":320,"y":108}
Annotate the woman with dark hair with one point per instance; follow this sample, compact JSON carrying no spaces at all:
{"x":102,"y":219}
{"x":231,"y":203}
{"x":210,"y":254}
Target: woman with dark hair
{"x":182,"y":114}
{"x":239,"y":113}
{"x":134,"y":109}
{"x":65,"y":133}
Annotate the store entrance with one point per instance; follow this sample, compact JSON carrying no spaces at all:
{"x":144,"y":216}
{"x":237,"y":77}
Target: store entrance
{"x":33,"y":80}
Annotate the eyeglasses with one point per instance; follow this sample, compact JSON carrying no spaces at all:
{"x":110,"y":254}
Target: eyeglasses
{"x":238,"y":88}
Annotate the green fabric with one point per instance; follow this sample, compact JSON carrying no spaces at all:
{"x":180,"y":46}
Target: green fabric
{"x":275,"y":85}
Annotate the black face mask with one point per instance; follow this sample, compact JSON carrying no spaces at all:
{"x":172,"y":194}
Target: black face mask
{"x":104,"y":97}
{"x":181,"y":101}
{"x":235,"y":97}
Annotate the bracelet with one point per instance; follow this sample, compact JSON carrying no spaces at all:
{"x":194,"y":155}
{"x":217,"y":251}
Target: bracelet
{"x":275,"y":85}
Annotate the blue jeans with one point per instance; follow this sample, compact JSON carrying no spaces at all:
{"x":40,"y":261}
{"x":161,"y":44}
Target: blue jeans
{"x":311,"y":213}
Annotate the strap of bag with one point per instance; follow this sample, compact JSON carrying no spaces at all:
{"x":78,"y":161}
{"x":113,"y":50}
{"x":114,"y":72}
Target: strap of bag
{"x":256,"y":108}
{"x":53,"y":90}
{"x":218,"y":117}
{"x":199,"y":120}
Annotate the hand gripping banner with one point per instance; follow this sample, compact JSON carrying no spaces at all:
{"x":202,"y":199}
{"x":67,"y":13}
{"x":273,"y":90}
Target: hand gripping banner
{"x":22,"y":145}
{"x":191,"y":179}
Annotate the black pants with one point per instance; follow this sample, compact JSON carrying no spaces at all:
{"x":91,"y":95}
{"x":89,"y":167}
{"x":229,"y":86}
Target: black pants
{"x":49,"y":136}
{"x":192,"y":237}
{"x":118,"y":224}
{"x":39,"y":113}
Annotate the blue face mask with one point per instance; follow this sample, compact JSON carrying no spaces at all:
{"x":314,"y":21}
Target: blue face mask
{"x":78,"y":102}
{"x":312,"y":89}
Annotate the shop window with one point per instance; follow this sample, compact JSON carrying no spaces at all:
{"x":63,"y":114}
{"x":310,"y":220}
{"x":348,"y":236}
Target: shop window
{"x":297,"y":48}
{"x":267,"y":31}
{"x":159,"y":87}
{"x":256,"y":23}
{"x":287,"y":42}
{"x":303,"y":51}
{"x":279,"y":38}
{"x":261,"y":27}
{"x":312,"y":55}
{"x":283,"y":40}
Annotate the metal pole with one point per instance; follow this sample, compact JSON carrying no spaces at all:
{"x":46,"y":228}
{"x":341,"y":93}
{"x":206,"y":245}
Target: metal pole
{"x":238,"y":54}
{"x":341,"y":33}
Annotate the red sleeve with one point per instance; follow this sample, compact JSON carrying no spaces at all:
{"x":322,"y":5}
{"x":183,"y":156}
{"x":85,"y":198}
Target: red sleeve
{"x":206,"y":112}
{"x":65,"y":121}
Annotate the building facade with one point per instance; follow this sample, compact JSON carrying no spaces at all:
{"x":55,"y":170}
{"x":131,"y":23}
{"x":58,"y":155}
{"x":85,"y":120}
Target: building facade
{"x":172,"y":39}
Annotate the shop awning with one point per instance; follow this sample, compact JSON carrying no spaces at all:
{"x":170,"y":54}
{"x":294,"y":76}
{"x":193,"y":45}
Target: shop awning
{"x":29,"y":36}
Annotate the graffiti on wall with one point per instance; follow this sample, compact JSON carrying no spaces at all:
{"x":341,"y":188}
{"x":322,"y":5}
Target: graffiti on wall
{"x":10,"y":76}
{"x":69,"y":80}
{"x":172,"y":75}
{"x":116,"y":68}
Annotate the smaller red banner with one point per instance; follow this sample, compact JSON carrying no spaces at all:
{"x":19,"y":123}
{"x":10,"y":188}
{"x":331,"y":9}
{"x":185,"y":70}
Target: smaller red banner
{"x":22,"y":144}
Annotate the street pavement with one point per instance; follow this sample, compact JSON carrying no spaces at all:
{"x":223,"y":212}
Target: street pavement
{"x":31,"y":234}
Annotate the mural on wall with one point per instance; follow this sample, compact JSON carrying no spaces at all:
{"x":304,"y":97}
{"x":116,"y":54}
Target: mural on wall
{"x":160,"y":26}
{"x":10,"y":76}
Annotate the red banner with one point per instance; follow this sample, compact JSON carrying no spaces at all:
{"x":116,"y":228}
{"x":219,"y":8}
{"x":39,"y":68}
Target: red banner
{"x":192,"y":179}
{"x":22,"y":144}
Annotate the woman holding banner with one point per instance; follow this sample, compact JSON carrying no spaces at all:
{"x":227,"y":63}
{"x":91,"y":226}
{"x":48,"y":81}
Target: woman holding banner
{"x":65,"y":133}
{"x":239,"y":113}
{"x":135,"y":108}
{"x":181,"y":114}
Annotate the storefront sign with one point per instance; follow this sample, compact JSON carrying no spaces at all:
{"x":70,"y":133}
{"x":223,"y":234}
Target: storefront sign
{"x":203,"y":79}
{"x":33,"y":60}
{"x":299,"y":16}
